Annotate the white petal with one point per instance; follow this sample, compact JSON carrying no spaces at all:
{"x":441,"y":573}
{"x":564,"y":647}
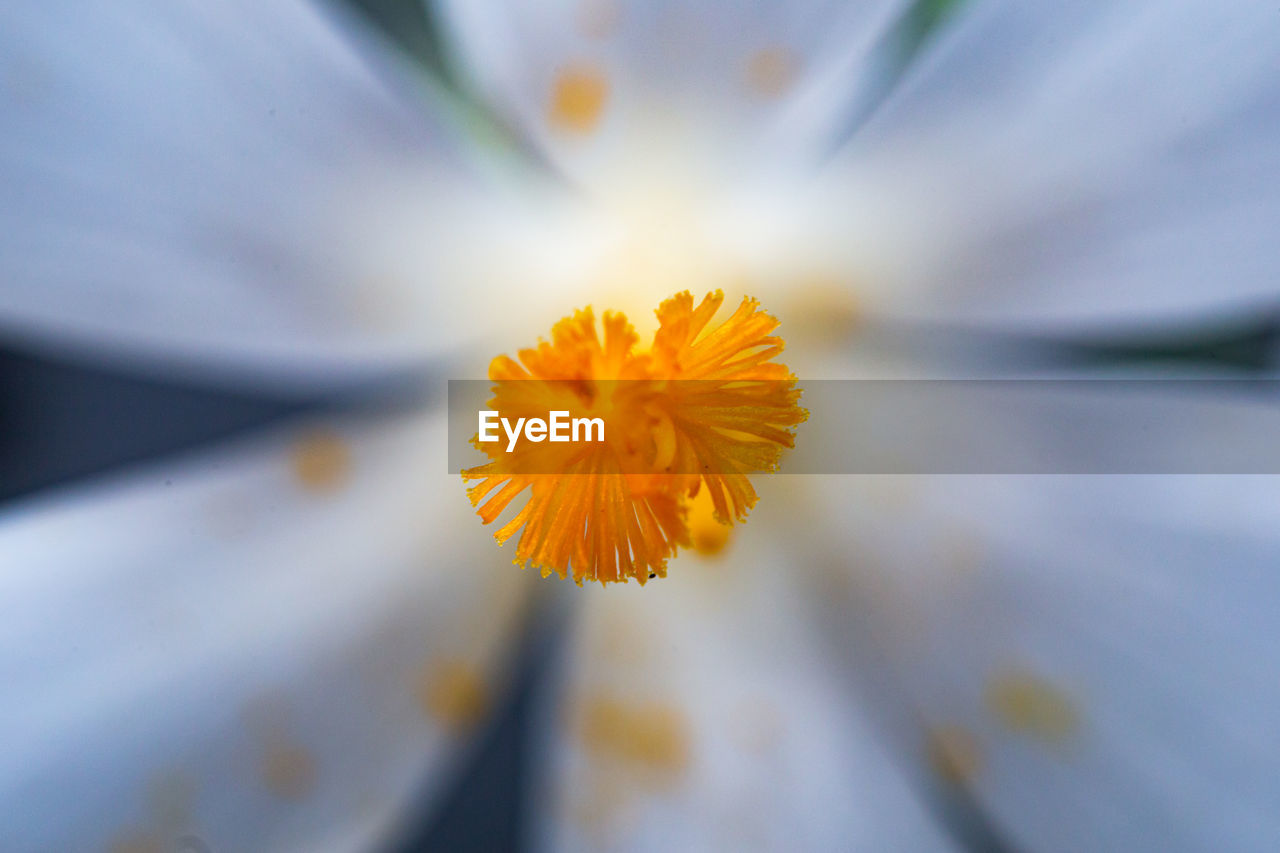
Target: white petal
{"x":277,"y":646}
{"x":1054,"y":425}
{"x":685,"y":90}
{"x":702,"y":713}
{"x":1059,"y":166}
{"x":1107,"y":643}
{"x":194,"y":184}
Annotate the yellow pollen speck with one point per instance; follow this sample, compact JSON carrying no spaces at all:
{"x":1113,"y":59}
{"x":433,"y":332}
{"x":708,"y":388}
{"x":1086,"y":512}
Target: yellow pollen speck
{"x":453,"y":694}
{"x":578,"y":98}
{"x":650,"y":735}
{"x":321,"y":462}
{"x":709,"y":535}
{"x":288,"y":771}
{"x":687,"y":419}
{"x":1026,"y":703}
{"x":771,"y":72}
{"x":953,"y":753}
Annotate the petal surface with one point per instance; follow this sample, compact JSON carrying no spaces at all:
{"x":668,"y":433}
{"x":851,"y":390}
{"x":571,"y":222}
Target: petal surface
{"x":1054,"y":167}
{"x":624,"y":92}
{"x":228,"y":187}
{"x":279,"y":645}
{"x":1093,"y":657}
{"x":700,"y":712}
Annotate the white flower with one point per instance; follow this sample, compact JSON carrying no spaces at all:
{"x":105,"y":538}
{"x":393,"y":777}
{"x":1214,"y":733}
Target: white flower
{"x":271,"y":645}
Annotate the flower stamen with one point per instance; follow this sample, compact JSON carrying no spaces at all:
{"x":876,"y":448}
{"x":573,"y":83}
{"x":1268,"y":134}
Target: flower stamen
{"x":696,"y":413}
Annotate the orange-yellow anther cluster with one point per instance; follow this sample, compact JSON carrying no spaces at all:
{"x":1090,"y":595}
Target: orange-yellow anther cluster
{"x":699,"y":410}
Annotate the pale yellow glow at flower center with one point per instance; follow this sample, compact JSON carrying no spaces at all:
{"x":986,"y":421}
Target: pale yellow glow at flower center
{"x":659,"y":245}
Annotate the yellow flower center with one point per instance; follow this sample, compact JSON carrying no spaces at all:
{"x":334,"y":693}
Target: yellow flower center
{"x":692,"y":415}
